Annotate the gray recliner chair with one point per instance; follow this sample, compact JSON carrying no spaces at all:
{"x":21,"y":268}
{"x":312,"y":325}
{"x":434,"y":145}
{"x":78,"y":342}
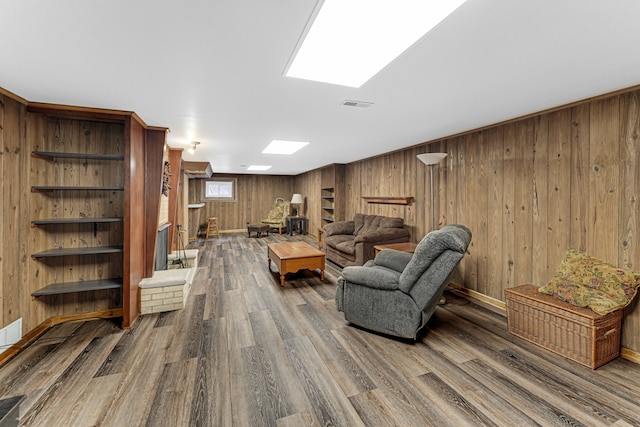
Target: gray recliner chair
{"x":396,"y":292}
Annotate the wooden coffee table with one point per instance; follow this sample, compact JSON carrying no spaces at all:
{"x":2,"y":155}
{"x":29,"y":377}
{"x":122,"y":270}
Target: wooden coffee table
{"x":291,"y":257}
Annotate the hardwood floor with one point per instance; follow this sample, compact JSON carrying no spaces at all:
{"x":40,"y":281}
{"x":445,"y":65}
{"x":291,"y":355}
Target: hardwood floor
{"x":247,"y":352}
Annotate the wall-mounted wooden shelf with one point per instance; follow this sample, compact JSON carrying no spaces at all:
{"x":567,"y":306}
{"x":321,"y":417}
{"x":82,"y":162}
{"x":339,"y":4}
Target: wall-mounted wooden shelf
{"x":55,"y":221}
{"x":83,"y":286}
{"x":78,"y":251}
{"x":50,"y":155}
{"x":389,"y":200}
{"x":47,"y":188}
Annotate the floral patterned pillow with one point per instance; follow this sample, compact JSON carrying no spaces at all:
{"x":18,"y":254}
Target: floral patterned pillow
{"x":585,"y":281}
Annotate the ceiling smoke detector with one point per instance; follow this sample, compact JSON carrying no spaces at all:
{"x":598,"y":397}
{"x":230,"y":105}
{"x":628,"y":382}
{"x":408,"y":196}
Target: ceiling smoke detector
{"x":352,"y":103}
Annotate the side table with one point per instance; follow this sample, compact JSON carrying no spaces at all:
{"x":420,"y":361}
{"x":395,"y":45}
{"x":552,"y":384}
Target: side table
{"x":298,"y":221}
{"x":404,"y":247}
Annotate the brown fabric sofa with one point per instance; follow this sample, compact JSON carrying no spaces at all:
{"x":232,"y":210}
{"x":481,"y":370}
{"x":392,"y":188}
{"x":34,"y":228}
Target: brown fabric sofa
{"x":351,"y":242}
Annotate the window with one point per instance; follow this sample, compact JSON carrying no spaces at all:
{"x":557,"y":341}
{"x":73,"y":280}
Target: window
{"x":223,"y":189}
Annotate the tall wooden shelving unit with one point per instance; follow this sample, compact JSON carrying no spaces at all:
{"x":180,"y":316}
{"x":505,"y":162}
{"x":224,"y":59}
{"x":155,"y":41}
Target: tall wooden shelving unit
{"x":79,"y":202}
{"x":95,"y":207}
{"x":332,"y":193}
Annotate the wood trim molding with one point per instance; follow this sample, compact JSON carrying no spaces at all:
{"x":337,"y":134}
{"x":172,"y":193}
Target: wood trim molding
{"x":35,"y":333}
{"x":469,"y":293}
{"x":387,"y":200}
{"x":13,"y":96}
{"x":89,"y":113}
{"x":154,"y":164}
{"x":630,"y":355}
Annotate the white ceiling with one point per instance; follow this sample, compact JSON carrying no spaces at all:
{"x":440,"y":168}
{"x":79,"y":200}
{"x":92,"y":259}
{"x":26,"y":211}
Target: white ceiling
{"x":212,"y":71}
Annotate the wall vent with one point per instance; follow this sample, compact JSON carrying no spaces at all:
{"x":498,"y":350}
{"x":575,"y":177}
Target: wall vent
{"x":359,"y":104}
{"x":10,"y":335}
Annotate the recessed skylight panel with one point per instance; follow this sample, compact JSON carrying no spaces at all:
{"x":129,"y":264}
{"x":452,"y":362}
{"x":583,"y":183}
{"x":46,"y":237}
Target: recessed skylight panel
{"x":350,"y":41}
{"x":278,"y":146}
{"x":258,"y":167}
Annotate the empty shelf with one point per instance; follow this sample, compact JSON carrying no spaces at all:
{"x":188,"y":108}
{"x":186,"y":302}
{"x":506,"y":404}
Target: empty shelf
{"x":78,"y":251}
{"x":71,"y":287}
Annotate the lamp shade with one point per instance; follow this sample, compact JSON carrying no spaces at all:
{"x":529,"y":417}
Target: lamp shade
{"x":297,"y":199}
{"x":431,"y":158}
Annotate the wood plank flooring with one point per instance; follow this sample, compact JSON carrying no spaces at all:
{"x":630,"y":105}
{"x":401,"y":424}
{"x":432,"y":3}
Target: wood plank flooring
{"x":247,"y":352}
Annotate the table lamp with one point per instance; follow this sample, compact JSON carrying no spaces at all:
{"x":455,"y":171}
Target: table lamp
{"x":295,"y":201}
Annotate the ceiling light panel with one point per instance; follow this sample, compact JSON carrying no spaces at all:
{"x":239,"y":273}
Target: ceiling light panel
{"x":278,"y":146}
{"x":258,"y":168}
{"x":349,"y":41}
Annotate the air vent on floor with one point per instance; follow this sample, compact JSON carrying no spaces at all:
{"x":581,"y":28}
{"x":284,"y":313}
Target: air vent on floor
{"x":352,"y":103}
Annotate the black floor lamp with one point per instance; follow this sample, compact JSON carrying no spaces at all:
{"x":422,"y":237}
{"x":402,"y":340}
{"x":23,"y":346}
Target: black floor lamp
{"x":432,"y":159}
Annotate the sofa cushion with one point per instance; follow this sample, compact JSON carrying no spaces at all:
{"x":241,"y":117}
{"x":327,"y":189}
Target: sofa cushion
{"x":347,"y":247}
{"x":337,"y":239}
{"x":370,"y":223}
{"x":340,"y":227}
{"x":383,"y":235}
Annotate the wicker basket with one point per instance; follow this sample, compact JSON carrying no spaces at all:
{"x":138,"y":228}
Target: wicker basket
{"x":577,"y":333}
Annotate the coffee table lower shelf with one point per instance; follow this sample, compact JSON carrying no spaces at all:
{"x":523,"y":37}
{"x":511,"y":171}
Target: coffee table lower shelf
{"x":291,"y":257}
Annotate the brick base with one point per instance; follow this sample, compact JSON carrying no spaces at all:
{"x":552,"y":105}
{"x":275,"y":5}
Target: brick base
{"x":167,"y":290}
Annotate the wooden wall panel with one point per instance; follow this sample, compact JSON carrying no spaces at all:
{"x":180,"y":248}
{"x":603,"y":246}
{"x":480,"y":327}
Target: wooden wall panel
{"x":181,"y":238}
{"x":381,"y":176}
{"x":628,"y":245}
{"x":153,"y":143}
{"x":39,"y":273}
{"x":604,"y":185}
{"x":558,"y":226}
{"x":453,"y":194}
{"x":494,"y":141}
{"x":478,"y":155}
{"x":135,"y":229}
{"x":579,"y":176}
{"x":528,"y":189}
{"x":309,"y":185}
{"x":523,"y":218}
{"x":540,"y":198}
{"x":255,"y":194}
{"x":13,"y":205}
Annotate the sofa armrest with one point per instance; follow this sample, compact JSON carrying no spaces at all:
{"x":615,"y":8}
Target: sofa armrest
{"x":372,"y":277}
{"x":393,"y":259}
{"x":339,"y":227}
{"x":382,"y":236}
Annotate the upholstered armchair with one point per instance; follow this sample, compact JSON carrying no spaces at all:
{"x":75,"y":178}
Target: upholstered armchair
{"x":396,"y":292}
{"x":277,"y":218}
